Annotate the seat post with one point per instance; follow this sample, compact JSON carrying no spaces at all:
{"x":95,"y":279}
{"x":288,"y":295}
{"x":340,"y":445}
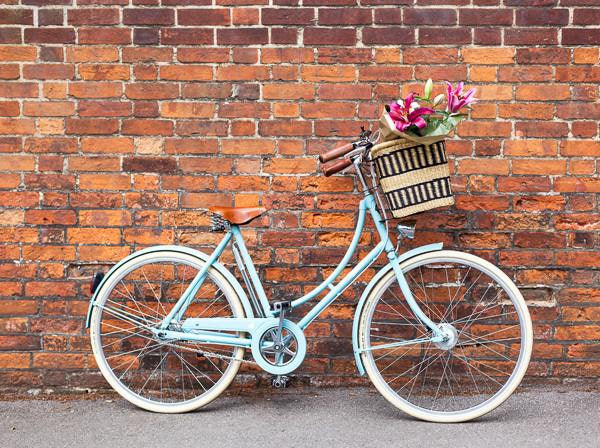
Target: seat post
{"x":251,"y":270}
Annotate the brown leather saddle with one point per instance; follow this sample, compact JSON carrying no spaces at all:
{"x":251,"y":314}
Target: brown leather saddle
{"x":238,"y":215}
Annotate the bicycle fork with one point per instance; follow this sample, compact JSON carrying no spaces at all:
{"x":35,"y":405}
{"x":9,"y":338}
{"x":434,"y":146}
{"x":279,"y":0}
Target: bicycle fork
{"x":438,"y":335}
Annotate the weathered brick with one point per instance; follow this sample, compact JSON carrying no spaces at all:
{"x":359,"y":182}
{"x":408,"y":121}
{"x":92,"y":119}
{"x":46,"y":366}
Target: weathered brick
{"x":186,"y":36}
{"x":17,"y":53}
{"x":480,"y":17}
{"x":579,"y":36}
{"x":204,"y":16}
{"x":148,"y":16}
{"x":329,"y":36}
{"x":16,"y":16}
{"x":287,"y":16}
{"x":388,"y":35}
{"x":242,"y":36}
{"x":104,"y":36}
{"x":429,"y":16}
{"x":445,"y":36}
{"x":49,"y":35}
{"x":344,"y":16}
{"x":93,"y":16}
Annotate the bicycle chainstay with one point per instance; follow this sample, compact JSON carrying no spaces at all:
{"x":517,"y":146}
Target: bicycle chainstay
{"x":211,"y":354}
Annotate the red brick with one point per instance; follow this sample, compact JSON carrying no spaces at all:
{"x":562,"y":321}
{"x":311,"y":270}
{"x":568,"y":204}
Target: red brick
{"x":445,"y":36}
{"x":94,"y":89}
{"x":16,"y":16}
{"x":186,"y":36}
{"x":204,"y":16}
{"x":105,"y":36}
{"x":245,"y":16}
{"x":49,"y":35}
{"x":186,"y":73}
{"x":50,"y":217}
{"x":90,"y":126}
{"x":579,"y":36}
{"x":541,"y":129}
{"x":48,"y":108}
{"x":329,"y":36}
{"x":586,"y":16}
{"x":528,"y":36}
{"x":93,"y":16}
{"x":17,"y":53}
{"x":10,"y":35}
{"x":147,"y":54}
{"x":203,"y":54}
{"x":9,"y":108}
{"x":426,"y":16}
{"x":479,"y":17}
{"x":15,"y":360}
{"x":241,"y":73}
{"x":104,"y":72}
{"x":242,"y":36}
{"x":388,"y":35}
{"x":147,"y":91}
{"x":148,"y":16}
{"x":9,"y":71}
{"x":18,"y":89}
{"x":147,"y":127}
{"x":343,"y":16}
{"x":541,"y":16}
{"x":16,"y":126}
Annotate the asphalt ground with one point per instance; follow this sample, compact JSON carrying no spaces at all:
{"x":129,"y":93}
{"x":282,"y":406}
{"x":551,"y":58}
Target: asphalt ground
{"x":543,"y":416}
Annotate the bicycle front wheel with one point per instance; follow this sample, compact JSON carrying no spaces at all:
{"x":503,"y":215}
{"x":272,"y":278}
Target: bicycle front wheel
{"x":487,"y":346}
{"x":159,"y":375}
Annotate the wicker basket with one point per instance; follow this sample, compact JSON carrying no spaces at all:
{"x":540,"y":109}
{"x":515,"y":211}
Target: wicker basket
{"x":413,"y":176}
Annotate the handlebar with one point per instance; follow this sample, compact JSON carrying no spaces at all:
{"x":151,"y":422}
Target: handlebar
{"x":337,"y":167}
{"x":336,"y":152}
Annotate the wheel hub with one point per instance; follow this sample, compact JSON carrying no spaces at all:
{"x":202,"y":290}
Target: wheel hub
{"x":450,"y":337}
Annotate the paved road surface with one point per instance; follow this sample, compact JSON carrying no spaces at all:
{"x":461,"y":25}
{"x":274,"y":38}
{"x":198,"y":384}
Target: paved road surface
{"x":324,"y":418}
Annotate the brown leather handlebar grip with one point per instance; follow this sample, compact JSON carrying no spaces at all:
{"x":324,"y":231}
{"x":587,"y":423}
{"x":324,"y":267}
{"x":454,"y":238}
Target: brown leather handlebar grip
{"x":336,"y":152}
{"x":337,"y":167}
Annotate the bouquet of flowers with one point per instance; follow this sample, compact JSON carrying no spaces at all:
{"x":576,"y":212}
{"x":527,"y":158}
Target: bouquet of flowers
{"x":410,"y":160}
{"x":415,"y":117}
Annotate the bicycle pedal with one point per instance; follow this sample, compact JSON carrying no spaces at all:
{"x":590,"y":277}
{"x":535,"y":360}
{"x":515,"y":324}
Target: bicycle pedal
{"x":280,"y":381}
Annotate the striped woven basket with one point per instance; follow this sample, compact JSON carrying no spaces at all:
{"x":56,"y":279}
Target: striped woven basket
{"x":414,"y":177}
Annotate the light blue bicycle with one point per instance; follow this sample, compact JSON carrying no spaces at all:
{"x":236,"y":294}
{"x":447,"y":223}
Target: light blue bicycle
{"x":444,"y":336}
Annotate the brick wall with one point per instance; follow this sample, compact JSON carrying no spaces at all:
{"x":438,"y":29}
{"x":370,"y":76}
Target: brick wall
{"x":119,"y":118}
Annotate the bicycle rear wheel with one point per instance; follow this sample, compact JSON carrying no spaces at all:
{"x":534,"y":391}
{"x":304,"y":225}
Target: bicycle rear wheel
{"x":488,"y":329}
{"x":169,"y":376}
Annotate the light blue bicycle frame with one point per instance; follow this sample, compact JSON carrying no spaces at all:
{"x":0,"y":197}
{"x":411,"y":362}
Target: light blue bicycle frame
{"x":214,"y":330}
{"x":207,"y":330}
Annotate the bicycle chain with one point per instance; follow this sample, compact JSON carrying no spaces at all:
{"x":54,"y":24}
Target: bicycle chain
{"x":211,"y":354}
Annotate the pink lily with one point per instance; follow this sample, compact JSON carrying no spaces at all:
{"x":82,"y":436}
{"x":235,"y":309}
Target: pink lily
{"x":407,"y":113}
{"x":456,"y":99}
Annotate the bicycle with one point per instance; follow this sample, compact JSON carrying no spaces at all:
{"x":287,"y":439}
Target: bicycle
{"x":169,"y":325}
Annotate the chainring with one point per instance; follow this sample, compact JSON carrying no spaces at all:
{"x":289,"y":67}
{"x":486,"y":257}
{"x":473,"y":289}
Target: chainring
{"x":279,"y":361}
